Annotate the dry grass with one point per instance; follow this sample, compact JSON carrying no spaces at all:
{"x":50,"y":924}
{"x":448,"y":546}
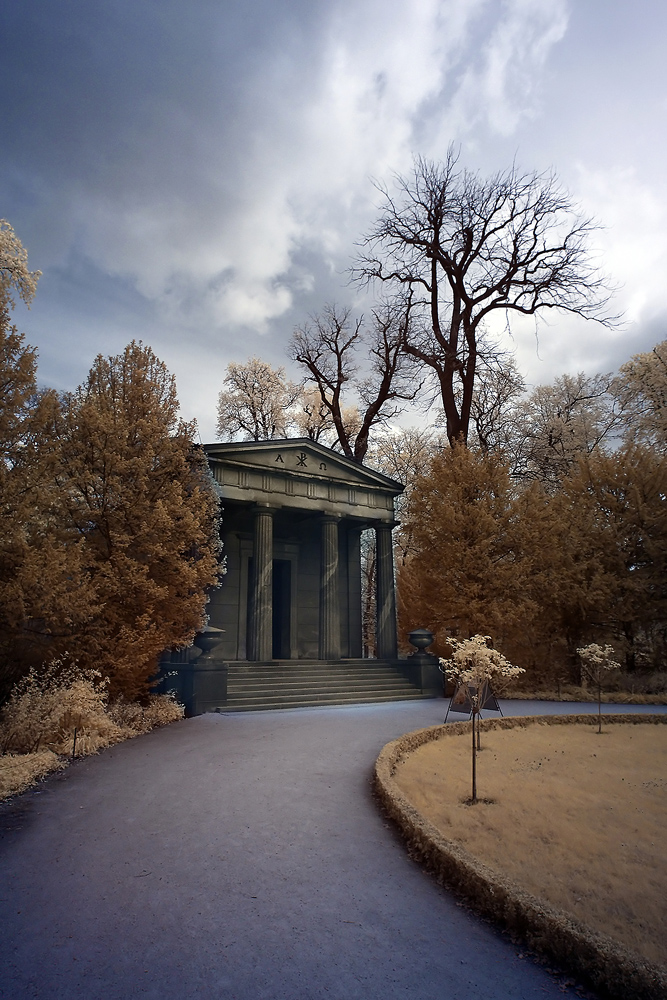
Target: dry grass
{"x":578,"y":819}
{"x":571,"y":692}
{"x":20,"y":771}
{"x":38,"y":723}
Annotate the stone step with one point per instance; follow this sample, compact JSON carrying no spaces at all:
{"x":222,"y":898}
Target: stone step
{"x":291,"y":684}
{"x":256,"y":704}
{"x":307,"y":669}
{"x":342,"y":661}
{"x":323,"y":684}
{"x":323,"y":675}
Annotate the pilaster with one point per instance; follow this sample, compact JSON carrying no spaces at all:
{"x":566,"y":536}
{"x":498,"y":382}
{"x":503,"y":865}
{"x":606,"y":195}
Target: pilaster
{"x":386,"y":638}
{"x":329,"y":643}
{"x":261,"y":595}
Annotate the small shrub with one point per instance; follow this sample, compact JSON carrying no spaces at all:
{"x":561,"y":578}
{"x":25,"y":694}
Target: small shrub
{"x":596,"y":662}
{"x":473,"y":665}
{"x":46,"y":707}
{"x":160,"y":711}
{"x":163,"y":709}
{"x":38,"y":723}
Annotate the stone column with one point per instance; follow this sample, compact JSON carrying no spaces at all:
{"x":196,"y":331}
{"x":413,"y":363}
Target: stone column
{"x":386,"y":639}
{"x":329,"y":646}
{"x":260,"y":640}
{"x":354,"y":613}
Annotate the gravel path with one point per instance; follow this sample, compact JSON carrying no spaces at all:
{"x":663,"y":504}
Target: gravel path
{"x":240,"y":857}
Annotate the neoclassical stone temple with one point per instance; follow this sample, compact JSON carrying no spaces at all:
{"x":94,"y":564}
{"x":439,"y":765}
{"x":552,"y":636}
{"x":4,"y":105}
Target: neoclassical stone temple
{"x":292,"y":522}
{"x":289,"y":607}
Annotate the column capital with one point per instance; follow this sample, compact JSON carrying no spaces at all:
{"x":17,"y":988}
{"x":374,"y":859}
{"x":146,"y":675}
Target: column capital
{"x":385,"y":524}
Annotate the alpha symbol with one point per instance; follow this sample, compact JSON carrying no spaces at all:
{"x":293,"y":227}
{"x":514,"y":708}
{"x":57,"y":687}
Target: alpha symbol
{"x":280,"y":459}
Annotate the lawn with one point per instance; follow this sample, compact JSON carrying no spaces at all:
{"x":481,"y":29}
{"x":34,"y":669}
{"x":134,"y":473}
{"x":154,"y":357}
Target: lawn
{"x":575,"y":818}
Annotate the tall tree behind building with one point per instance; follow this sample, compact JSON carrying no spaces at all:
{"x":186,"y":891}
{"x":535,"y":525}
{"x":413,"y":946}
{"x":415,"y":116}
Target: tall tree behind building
{"x":468,"y":248}
{"x":257,"y":402}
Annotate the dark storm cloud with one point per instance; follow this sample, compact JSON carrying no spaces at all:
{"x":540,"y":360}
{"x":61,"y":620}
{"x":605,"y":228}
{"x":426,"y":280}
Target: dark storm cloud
{"x":129,"y":99}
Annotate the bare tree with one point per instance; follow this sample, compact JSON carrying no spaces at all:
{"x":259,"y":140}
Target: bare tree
{"x":499,"y":385}
{"x":256,"y":402}
{"x":327,"y":347}
{"x":469,"y":247}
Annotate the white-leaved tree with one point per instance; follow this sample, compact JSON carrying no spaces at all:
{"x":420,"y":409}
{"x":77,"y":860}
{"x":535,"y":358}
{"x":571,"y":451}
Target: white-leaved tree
{"x":14,"y":272}
{"x":641,"y":391}
{"x":475,"y":665}
{"x":257,"y":402}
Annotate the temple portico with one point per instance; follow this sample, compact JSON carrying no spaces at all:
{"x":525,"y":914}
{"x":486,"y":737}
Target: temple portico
{"x":285,"y":626}
{"x":293,"y":516}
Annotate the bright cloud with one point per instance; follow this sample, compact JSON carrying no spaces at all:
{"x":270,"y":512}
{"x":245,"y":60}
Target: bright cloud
{"x":299,"y":171}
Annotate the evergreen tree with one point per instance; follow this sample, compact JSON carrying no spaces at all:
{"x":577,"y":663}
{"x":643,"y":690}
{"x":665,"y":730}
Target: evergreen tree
{"x":137,"y":493}
{"x":467,"y":570}
{"x":42,"y":581}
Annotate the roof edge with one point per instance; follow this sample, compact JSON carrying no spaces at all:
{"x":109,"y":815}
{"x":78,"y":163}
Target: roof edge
{"x":229,"y":447}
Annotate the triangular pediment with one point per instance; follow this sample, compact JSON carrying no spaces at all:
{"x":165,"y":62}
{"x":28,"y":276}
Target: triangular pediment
{"x":302,"y":458}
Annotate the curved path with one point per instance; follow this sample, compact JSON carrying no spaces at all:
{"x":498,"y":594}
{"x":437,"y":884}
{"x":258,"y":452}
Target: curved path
{"x":239,"y":857}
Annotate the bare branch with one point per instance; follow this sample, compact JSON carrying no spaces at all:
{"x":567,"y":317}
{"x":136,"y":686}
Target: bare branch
{"x":326,"y":348}
{"x":468,"y":247}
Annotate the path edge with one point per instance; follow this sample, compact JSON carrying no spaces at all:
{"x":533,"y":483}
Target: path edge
{"x":593,"y":957}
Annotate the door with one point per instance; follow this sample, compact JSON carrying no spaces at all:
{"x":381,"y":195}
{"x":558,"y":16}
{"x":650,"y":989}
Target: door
{"x":282,"y":608}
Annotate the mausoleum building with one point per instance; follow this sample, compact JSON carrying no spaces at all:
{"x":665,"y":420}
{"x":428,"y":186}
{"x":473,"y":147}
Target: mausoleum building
{"x":292,"y":522}
{"x":289,"y":609}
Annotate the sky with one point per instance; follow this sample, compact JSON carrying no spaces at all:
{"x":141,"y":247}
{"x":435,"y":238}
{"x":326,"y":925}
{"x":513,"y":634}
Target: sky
{"x":198,"y":175}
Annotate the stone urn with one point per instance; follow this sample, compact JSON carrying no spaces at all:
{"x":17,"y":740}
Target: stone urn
{"x":421,"y":639}
{"x":207,"y":640}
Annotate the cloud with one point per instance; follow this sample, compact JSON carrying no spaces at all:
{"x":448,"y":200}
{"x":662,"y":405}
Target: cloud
{"x":201,"y":181}
{"x":501,"y":69}
{"x":633,"y":240}
{"x":194,"y":160}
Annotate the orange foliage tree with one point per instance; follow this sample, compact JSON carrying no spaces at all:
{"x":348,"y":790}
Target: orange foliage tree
{"x":136,"y":492}
{"x":42,"y":579}
{"x":468,"y":570}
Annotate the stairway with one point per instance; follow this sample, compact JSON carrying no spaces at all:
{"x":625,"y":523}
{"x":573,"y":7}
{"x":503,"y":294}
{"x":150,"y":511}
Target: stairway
{"x":306,"y":684}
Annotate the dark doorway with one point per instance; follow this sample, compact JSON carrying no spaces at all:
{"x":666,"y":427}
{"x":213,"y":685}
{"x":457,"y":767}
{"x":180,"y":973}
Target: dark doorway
{"x":282,"y":593}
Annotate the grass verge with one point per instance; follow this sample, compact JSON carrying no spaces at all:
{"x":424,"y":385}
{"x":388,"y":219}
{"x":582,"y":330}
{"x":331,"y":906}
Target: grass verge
{"x":605,"y":964}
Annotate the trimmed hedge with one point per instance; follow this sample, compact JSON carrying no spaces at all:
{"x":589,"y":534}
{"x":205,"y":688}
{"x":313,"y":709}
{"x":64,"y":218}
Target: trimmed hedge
{"x":597,"y":960}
